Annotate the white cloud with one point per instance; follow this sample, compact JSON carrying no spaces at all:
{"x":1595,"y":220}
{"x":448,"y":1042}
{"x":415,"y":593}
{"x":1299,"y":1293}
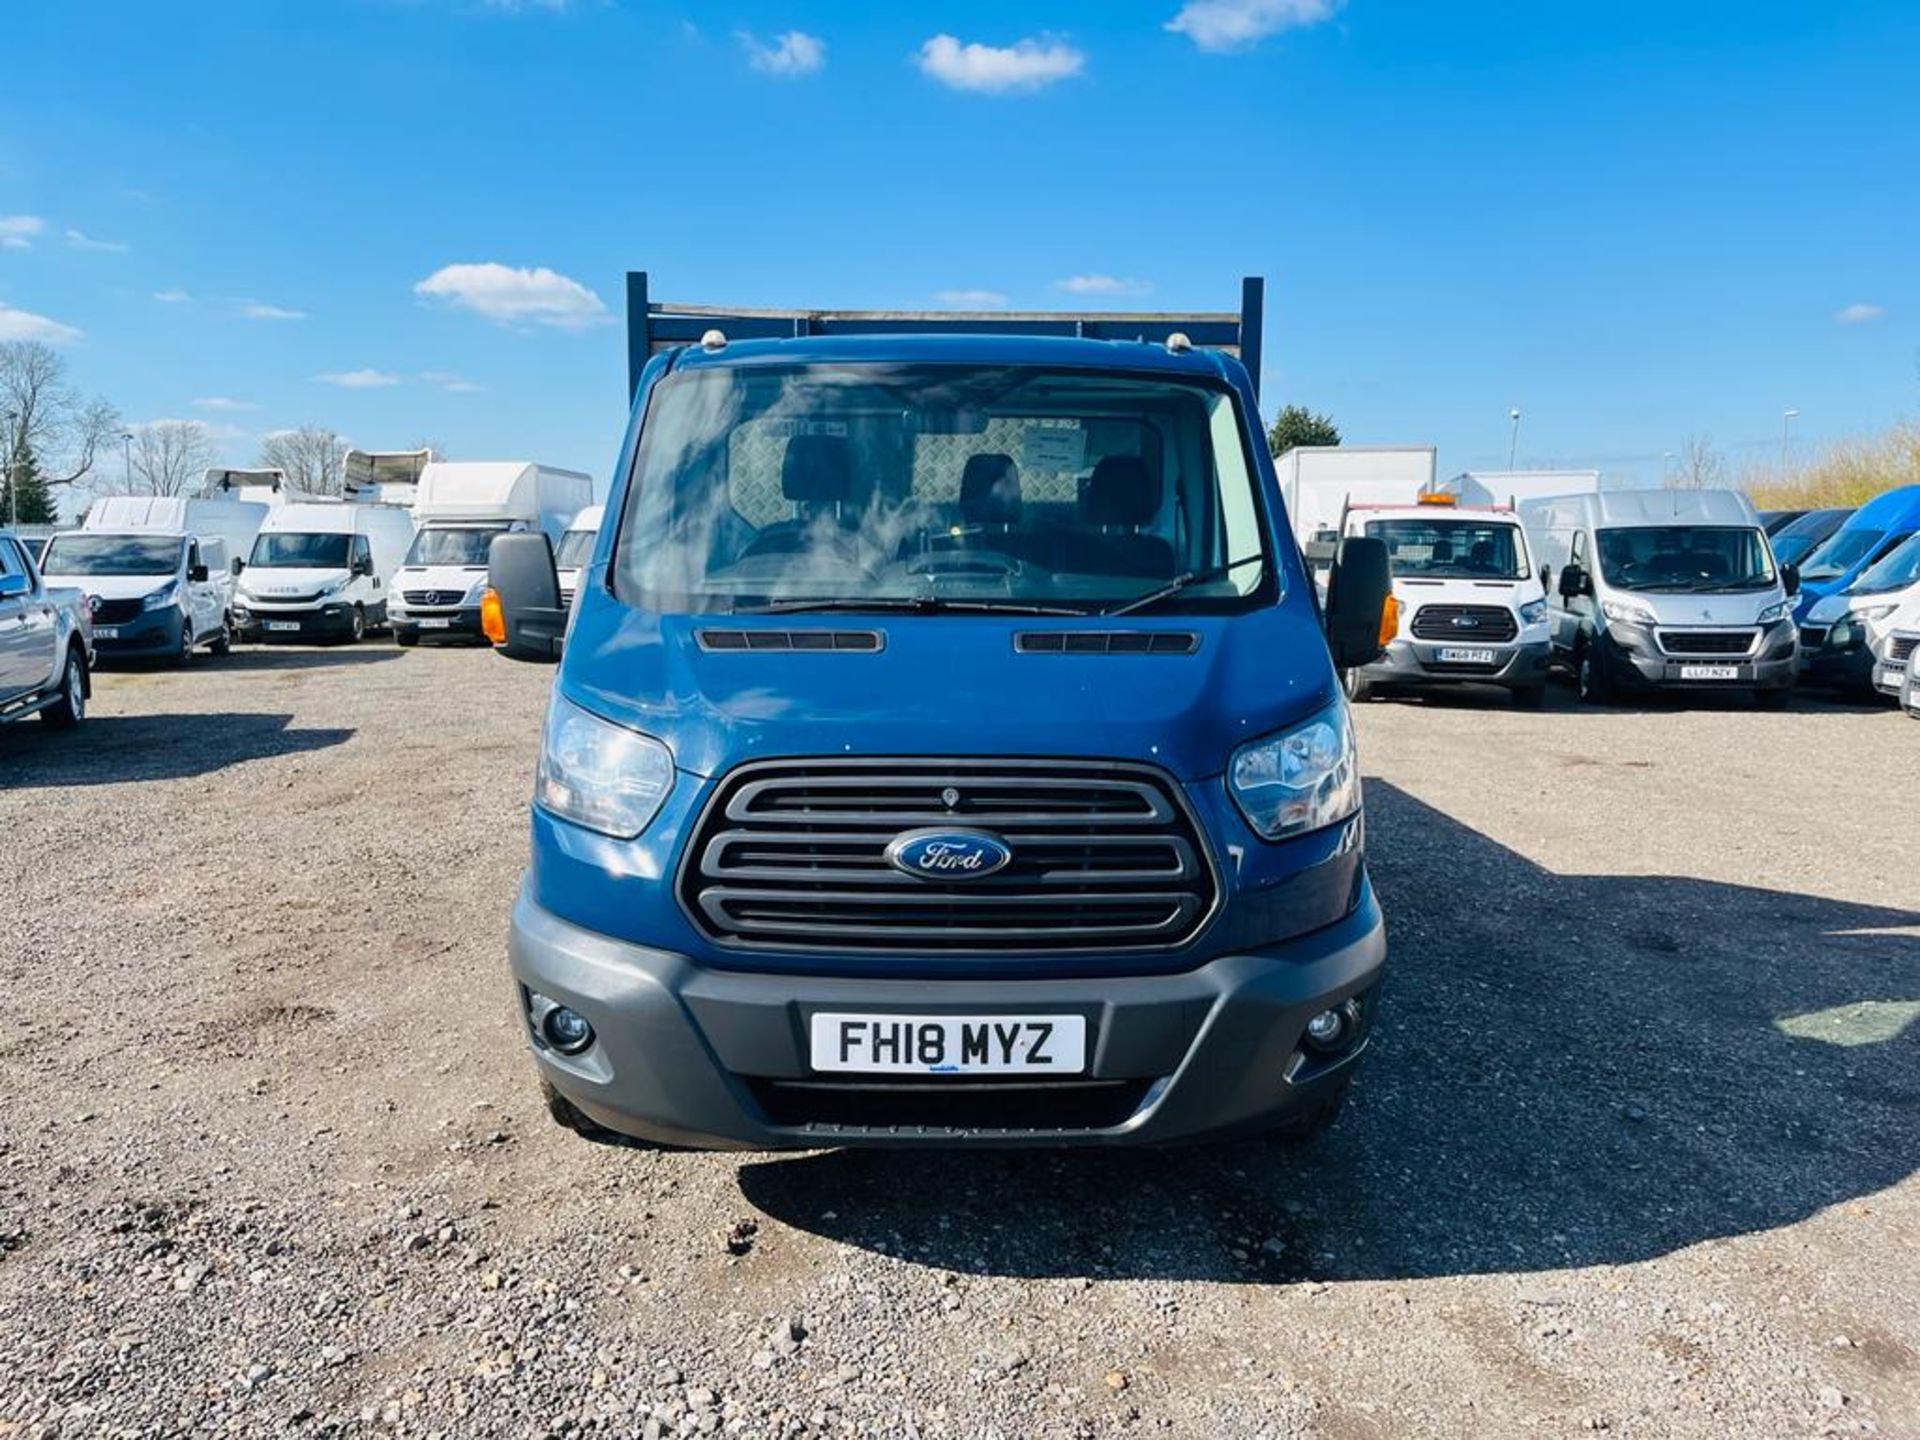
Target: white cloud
{"x":368,"y":379}
{"x":80,"y":240}
{"x":25,"y":325}
{"x":172,"y":297}
{"x":1858,"y":314}
{"x":1235,"y":24}
{"x":971,"y":299}
{"x":260,"y":310}
{"x":996,"y":69}
{"x":508,"y":295}
{"x":452,"y":383}
{"x":224,"y":403}
{"x":794,"y":53}
{"x":1102,"y":285}
{"x":17,"y":232}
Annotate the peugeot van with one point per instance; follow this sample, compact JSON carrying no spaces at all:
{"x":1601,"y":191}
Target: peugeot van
{"x":946,"y":748}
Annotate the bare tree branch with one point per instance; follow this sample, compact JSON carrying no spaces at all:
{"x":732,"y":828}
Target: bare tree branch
{"x":169,"y":458}
{"x":66,"y":429}
{"x":312,"y":457}
{"x":1698,"y":466}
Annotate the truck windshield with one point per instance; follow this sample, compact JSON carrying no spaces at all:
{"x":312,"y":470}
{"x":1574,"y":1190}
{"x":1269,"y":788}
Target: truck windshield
{"x":466,"y":545}
{"x":83,"y":554}
{"x":1685,"y":558}
{"x":283,"y":551}
{"x":1897,"y":571}
{"x":1841,"y":554}
{"x":1009,"y":486}
{"x":1452,"y":549}
{"x":576,"y":548}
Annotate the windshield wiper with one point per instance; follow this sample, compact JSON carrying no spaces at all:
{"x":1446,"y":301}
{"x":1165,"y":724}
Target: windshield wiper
{"x":909,"y":604}
{"x":1181,"y":582}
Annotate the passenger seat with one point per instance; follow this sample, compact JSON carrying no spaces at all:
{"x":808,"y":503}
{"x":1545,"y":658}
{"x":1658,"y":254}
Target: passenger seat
{"x":1121,"y":496}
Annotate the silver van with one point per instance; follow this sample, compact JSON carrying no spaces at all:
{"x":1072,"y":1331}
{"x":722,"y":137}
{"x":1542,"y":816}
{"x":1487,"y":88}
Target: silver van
{"x":1665,"y":589}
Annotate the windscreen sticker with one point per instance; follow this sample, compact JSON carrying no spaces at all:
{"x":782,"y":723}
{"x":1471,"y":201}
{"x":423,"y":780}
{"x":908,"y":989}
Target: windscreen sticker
{"x":789,"y":428}
{"x":1053,"y":447}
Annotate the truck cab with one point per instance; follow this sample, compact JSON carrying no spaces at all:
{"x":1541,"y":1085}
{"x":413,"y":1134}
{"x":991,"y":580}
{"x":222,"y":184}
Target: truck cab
{"x":1468,"y":603}
{"x":946,"y":748}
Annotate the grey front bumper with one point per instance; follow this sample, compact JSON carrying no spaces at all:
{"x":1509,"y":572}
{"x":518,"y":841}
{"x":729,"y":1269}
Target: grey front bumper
{"x":1417,"y":662}
{"x":689,"y":1055}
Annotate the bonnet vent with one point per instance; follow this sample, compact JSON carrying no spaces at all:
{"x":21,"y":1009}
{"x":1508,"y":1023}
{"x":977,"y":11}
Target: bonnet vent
{"x":764,"y":640}
{"x":1106,"y":642}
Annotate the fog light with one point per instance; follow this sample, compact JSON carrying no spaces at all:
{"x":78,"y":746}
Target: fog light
{"x":566,"y":1030}
{"x":1326,"y":1028}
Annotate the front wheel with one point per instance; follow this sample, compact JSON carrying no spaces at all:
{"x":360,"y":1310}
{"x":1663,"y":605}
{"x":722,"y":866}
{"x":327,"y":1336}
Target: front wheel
{"x":71,"y":707}
{"x":185,"y":655}
{"x":1596,"y":686}
{"x":357,"y":626}
{"x":569,"y":1116}
{"x":1356,"y":685}
{"x":223,"y":642}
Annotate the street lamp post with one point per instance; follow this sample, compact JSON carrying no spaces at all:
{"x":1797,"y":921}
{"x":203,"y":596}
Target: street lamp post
{"x":6,"y":475}
{"x":126,"y":460}
{"x":1513,"y":444}
{"x":1787,"y":417}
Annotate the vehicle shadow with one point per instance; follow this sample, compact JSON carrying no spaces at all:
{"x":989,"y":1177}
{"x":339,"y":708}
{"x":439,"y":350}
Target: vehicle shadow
{"x":109,"y":749}
{"x":1571,"y":1070}
{"x":251,"y":657}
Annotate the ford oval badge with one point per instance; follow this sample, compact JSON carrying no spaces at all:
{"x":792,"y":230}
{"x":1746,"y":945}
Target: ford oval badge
{"x":948,"y":854}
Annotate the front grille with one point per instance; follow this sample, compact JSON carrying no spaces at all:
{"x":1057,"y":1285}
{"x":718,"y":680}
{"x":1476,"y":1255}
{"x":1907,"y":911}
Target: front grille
{"x":446,"y":598}
{"x":116,"y":612}
{"x":950,"y":1105}
{"x":1900,"y":649}
{"x":279,"y":599}
{"x":1706,"y":642}
{"x":1464,"y":623}
{"x":791,"y":854}
{"x":1812,"y":637}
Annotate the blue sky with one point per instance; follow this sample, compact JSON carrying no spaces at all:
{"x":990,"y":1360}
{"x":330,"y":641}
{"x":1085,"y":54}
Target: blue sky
{"x":1637,"y":222}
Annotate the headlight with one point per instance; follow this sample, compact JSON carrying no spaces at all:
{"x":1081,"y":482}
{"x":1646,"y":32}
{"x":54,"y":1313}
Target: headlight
{"x":1299,"y":781}
{"x":334,"y":589}
{"x":1533,"y":612}
{"x":163,"y":597}
{"x":1874,"y":612}
{"x":1626,"y":612}
{"x":1779,"y":610}
{"x":598,"y":774}
{"x":476,"y":590}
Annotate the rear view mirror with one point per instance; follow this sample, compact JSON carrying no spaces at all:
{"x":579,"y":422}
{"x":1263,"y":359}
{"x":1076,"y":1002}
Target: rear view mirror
{"x":522,"y":614}
{"x":1573,"y":581}
{"x":1790,"y":578}
{"x":1356,"y":598}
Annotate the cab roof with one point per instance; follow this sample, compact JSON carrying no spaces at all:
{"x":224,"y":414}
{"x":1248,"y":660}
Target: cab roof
{"x":1048,"y":351}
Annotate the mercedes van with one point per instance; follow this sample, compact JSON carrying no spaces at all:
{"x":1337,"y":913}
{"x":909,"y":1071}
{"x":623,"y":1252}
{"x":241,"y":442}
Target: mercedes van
{"x":946,"y":747}
{"x":1665,"y":590}
{"x":321,"y":570}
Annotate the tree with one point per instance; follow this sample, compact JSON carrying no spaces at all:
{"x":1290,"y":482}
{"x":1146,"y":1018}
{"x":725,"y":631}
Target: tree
{"x":24,"y":498}
{"x":52,"y":419}
{"x":1297,"y":425}
{"x":312,"y":457}
{"x":169,"y":457}
{"x":1698,"y":466}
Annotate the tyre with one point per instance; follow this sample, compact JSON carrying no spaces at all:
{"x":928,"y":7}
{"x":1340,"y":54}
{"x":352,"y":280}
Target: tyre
{"x":357,"y":627}
{"x":1595,"y":685}
{"x":223,"y":642}
{"x":1311,"y":1124}
{"x":1529,"y":697}
{"x":71,"y":707}
{"x":185,"y":655}
{"x":569,"y":1116}
{"x":1359,"y":689}
{"x":404,"y":640}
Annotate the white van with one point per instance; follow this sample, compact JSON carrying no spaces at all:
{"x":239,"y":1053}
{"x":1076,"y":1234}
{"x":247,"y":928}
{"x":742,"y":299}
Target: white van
{"x":462,"y":505}
{"x":575,"y":550}
{"x":1665,"y":589}
{"x":153,"y":593}
{"x":321,"y":570}
{"x":1468,"y":603}
{"x":234,"y":521}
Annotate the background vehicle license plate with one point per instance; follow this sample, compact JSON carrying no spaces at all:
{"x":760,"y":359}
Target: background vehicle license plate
{"x":106,"y":632}
{"x":435,"y":624}
{"x":1709,"y":672}
{"x":949,"y":1044}
{"x":1462,"y":655}
{"x":283,"y":624}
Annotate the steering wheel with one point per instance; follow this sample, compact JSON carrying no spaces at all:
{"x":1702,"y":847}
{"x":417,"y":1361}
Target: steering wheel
{"x":972,"y":565}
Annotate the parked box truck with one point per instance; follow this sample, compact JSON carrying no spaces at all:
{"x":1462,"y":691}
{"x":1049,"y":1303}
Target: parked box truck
{"x":1319,"y":482}
{"x":1517,"y":487}
{"x":383,"y":477}
{"x":461,"y":505}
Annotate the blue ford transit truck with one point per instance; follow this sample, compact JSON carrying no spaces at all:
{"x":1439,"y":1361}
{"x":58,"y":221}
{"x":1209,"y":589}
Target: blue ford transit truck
{"x":947,"y":745}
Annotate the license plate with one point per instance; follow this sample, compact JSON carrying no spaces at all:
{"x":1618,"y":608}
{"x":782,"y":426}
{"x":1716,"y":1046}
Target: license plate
{"x":106,"y":632}
{"x":440,"y":624}
{"x":1709,"y":672}
{"x":949,"y":1044}
{"x":1460,"y":655}
{"x":283,"y":624}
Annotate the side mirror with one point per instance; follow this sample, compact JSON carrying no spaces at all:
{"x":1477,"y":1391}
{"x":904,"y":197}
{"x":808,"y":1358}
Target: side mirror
{"x":1790,"y":578}
{"x":197,"y":574}
{"x":1573,"y":581}
{"x":522,"y":614}
{"x":363,"y":567}
{"x":12,"y":585}
{"x":1546,"y":577}
{"x":236,"y":565}
{"x":1357,"y":596}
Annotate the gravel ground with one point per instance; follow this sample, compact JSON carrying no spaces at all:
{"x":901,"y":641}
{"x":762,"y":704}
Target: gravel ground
{"x":1635,"y":1152}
